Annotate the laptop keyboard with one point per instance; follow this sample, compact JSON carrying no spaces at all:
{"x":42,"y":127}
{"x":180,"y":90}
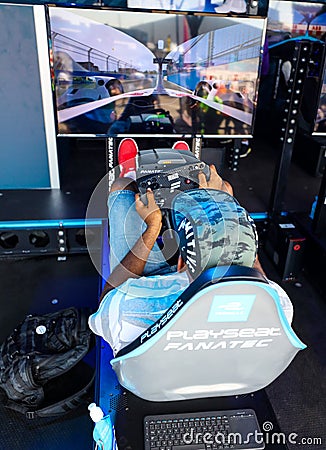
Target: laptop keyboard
{"x":211,"y":430}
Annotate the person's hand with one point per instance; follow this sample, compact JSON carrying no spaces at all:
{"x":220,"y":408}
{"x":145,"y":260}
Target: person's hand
{"x":150,"y":213}
{"x":214,"y":182}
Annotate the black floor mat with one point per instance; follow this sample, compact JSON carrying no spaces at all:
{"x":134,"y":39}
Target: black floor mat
{"x":298,"y":394}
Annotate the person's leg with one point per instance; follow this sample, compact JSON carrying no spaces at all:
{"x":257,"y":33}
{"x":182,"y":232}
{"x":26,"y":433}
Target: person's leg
{"x":126,"y":227}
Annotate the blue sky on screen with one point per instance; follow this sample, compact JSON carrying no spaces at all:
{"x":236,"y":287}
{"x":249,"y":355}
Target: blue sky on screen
{"x":77,"y":26}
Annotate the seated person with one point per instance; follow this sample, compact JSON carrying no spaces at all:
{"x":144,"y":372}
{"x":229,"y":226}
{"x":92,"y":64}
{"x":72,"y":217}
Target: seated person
{"x":209,"y":118}
{"x":183,"y":124}
{"x":142,"y":285}
{"x":134,"y":107}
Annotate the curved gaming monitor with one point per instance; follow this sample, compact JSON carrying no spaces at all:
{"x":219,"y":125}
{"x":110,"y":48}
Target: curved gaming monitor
{"x":117,"y":73}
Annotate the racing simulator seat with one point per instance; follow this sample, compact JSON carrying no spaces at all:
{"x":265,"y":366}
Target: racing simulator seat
{"x":225,"y":337}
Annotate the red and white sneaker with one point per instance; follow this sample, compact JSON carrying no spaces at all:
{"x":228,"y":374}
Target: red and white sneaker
{"x":180,"y":145}
{"x":127,"y":158}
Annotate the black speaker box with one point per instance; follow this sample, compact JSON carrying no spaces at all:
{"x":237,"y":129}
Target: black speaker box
{"x":285,"y":246}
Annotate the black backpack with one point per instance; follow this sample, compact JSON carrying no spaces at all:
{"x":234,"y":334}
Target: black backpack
{"x":42,"y":371}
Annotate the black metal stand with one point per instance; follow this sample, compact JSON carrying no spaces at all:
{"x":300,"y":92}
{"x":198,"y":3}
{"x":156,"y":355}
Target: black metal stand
{"x":111,"y":156}
{"x":305,"y":57}
{"x":196,"y":147}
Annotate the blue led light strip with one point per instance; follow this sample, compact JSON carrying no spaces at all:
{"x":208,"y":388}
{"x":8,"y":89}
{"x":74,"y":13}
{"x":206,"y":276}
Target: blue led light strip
{"x":259,"y":216}
{"x":25,"y":224}
{"x":68,"y":223}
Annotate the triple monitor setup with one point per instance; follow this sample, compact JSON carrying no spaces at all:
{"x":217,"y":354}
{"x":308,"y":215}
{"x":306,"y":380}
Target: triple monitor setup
{"x":191,"y":73}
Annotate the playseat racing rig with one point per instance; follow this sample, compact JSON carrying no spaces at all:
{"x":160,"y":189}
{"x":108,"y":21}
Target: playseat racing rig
{"x":225,"y":335}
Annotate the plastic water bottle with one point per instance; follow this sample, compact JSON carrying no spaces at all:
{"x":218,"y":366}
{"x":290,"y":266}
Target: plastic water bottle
{"x":103,"y":432}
